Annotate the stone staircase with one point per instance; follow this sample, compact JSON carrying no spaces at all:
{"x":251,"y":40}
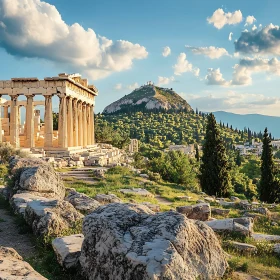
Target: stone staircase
{"x":82,"y":174}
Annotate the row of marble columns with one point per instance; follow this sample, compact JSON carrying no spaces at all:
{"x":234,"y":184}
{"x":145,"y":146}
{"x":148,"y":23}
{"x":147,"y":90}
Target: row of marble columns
{"x":75,"y":125}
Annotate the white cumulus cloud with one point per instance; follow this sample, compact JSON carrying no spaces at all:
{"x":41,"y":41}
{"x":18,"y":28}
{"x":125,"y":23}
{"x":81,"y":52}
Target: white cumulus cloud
{"x":215,"y":77}
{"x":165,"y":80}
{"x":250,"y":20}
{"x":230,"y":36}
{"x":35,"y":29}
{"x":220,"y":18}
{"x":166,"y":51}
{"x":212,"y":52}
{"x":132,"y":86}
{"x":183,"y":66}
{"x":118,"y":86}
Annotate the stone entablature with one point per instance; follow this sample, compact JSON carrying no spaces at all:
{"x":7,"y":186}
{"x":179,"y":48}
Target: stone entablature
{"x":76,"y":110}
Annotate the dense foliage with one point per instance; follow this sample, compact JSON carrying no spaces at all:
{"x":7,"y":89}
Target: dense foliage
{"x":214,"y":178}
{"x":163,"y":129}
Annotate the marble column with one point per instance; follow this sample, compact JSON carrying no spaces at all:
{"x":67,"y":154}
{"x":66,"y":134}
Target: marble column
{"x":6,"y":112}
{"x":48,"y":142}
{"x":89,"y":126}
{"x":14,"y":125}
{"x":29,"y":122}
{"x":84,"y":125}
{"x":75,"y":123}
{"x":69,"y":102}
{"x":80,"y":125}
{"x":92,"y":125}
{"x":62,"y":123}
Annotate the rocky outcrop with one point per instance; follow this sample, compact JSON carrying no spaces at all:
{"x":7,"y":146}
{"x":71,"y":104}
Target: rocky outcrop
{"x":243,"y":225}
{"x":201,"y":211}
{"x":107,"y":198}
{"x":128,"y":241}
{"x":12,"y":267}
{"x":81,"y":201}
{"x":40,"y":180}
{"x":51,"y":217}
{"x":68,"y":250}
{"x":17,"y":163}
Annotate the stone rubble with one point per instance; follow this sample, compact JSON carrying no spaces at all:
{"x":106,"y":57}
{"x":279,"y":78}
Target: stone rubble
{"x":200,"y":211}
{"x":107,"y":198}
{"x":137,"y":191}
{"x":128,"y":241}
{"x":68,"y":250}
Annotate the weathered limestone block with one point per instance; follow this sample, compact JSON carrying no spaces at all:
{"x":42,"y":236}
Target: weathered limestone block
{"x":244,"y":247}
{"x":276,"y":248}
{"x":227,"y":204}
{"x":5,"y":192}
{"x":51,"y":217}
{"x":42,"y":181}
{"x":219,"y":211}
{"x":234,"y":199}
{"x":12,"y":267}
{"x":107,"y":198}
{"x":137,"y":191}
{"x":243,"y":225}
{"x":153,"y":207}
{"x":265,"y":237}
{"x":185,"y":197}
{"x":19,"y":201}
{"x":263,"y":211}
{"x":244,"y":204}
{"x":209,"y":199}
{"x":200,"y":211}
{"x":81,"y":201}
{"x":17,"y":163}
{"x":68,"y":250}
{"x":128,"y":241}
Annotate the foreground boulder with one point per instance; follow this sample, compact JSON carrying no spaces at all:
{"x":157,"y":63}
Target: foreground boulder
{"x":242,"y":225}
{"x":81,"y":201}
{"x":68,"y":250}
{"x":12,"y":267}
{"x":128,"y":241}
{"x":201,"y":211}
{"x":51,"y":217}
{"x":41,"y":181}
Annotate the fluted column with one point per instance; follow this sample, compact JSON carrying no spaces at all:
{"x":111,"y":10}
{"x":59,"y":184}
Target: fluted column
{"x":92,"y":125}
{"x":75,"y":123}
{"x":14,"y":126}
{"x":88,"y":125}
{"x":29,"y":122}
{"x":62,"y":123}
{"x":69,"y":101}
{"x":80,"y":126}
{"x":48,"y":143}
{"x":6,"y":112}
{"x":84,"y":125}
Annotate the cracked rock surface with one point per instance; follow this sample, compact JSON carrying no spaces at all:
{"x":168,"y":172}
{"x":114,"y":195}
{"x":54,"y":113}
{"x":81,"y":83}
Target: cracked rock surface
{"x":129,"y":241}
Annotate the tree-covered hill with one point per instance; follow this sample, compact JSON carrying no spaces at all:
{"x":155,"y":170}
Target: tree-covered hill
{"x":161,"y":129}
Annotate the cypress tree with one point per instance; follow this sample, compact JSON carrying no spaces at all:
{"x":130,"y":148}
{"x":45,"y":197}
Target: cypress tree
{"x":267,"y":182}
{"x":197,"y":153}
{"x":214,"y":178}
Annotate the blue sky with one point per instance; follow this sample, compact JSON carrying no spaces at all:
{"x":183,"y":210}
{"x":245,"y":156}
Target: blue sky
{"x":37,"y":39}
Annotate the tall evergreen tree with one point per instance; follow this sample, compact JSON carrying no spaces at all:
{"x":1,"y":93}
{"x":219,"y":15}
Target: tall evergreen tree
{"x":214,"y":178}
{"x":197,"y":153}
{"x":267,"y":182}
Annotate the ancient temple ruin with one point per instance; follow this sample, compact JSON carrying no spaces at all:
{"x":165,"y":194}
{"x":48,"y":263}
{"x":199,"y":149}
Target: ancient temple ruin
{"x":76,"y":113}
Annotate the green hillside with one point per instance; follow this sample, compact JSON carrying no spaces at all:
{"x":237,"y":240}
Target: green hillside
{"x":165,"y":128}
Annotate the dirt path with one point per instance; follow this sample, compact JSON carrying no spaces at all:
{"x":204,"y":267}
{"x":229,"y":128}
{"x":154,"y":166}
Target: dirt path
{"x":10,"y":237}
{"x":162,"y":200}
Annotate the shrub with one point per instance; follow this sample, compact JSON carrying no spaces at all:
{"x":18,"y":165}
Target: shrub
{"x":3,"y":170}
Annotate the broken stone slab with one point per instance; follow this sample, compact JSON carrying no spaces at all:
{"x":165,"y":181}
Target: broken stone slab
{"x":244,"y":247}
{"x":145,"y":176}
{"x":243,"y":225}
{"x":40,"y":180}
{"x":19,"y":201}
{"x":265,"y":237}
{"x":107,"y":198}
{"x":234,"y":199}
{"x":186,"y":198}
{"x":128,"y":241}
{"x":263,"y":211}
{"x":12,"y":266}
{"x":137,"y":191}
{"x":200,"y":211}
{"x":51,"y":217}
{"x":209,"y":199}
{"x":244,"y":204}
{"x":81,"y":202}
{"x":219,"y":211}
{"x":153,"y":207}
{"x":227,"y":204}
{"x":68,"y":250}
